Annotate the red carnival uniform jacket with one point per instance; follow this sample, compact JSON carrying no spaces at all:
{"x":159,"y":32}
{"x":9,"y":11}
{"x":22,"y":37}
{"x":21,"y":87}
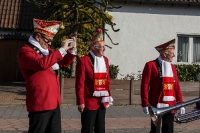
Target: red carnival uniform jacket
{"x":151,"y":85}
{"x":85,"y":83}
{"x":42,"y":84}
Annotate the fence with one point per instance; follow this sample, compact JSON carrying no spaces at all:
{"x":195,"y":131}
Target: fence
{"x":124,"y":92}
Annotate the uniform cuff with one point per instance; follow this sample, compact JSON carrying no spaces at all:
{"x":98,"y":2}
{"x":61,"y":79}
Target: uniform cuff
{"x":62,"y":51}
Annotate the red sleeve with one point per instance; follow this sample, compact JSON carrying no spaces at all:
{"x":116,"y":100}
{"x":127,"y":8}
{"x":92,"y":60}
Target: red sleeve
{"x":178,"y":93}
{"x":67,"y":60}
{"x":80,"y":82}
{"x":146,"y":74}
{"x":28,"y":58}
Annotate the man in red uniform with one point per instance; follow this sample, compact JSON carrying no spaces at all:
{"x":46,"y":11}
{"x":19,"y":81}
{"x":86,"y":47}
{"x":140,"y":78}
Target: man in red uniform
{"x":40,"y":68}
{"x":160,"y":86}
{"x":93,"y":86}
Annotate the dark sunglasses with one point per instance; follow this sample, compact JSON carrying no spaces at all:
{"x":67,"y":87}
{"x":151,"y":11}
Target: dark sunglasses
{"x":48,"y":40}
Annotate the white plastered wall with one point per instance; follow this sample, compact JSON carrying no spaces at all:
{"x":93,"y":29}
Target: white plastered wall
{"x":142,"y":27}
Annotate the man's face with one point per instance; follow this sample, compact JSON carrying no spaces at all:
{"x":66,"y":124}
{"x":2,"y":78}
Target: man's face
{"x":44,"y":41}
{"x":99,"y":49}
{"x":169,"y":55}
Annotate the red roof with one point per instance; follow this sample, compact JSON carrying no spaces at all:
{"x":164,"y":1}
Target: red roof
{"x":18,"y":14}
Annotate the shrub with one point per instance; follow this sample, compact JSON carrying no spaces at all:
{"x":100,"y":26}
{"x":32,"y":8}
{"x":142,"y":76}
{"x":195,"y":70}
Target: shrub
{"x":65,"y":72}
{"x":114,"y":70}
{"x":188,"y":72}
{"x":134,"y":76}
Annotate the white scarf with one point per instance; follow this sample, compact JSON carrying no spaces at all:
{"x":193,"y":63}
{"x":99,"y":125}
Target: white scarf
{"x":166,"y":68}
{"x":100,"y":67}
{"x":99,"y":64}
{"x":166,"y":72}
{"x":44,"y":51}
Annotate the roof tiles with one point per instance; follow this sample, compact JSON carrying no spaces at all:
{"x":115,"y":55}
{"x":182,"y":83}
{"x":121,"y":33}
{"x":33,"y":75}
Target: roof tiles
{"x":18,"y":14}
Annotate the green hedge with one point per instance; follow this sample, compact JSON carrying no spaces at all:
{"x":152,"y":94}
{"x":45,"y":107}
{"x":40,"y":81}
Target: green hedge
{"x":188,"y":72}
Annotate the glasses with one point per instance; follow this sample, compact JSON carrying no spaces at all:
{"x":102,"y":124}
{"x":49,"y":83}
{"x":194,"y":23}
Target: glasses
{"x":48,"y":40}
{"x":99,"y":47}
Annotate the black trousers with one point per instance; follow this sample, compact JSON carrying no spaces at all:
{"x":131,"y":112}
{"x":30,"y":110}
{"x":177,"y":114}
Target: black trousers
{"x":93,"y":120}
{"x":166,"y":126}
{"x":45,"y":121}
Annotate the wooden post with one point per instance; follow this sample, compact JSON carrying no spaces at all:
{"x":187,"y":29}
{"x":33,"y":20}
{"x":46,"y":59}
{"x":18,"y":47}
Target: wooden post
{"x":199,"y":88}
{"x":131,"y":91}
{"x":62,"y":81}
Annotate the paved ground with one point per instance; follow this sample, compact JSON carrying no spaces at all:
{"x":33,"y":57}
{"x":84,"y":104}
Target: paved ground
{"x":119,"y":119}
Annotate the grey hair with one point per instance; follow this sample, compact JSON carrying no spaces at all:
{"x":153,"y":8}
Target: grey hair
{"x":95,"y":46}
{"x":166,"y":52}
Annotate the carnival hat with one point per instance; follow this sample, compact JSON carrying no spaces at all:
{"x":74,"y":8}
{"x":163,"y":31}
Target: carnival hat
{"x":97,"y":38}
{"x":49,"y":28}
{"x":166,"y":46}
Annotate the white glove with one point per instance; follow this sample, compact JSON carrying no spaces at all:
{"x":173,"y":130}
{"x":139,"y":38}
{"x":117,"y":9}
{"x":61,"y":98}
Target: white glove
{"x":146,"y":110}
{"x":182,"y":110}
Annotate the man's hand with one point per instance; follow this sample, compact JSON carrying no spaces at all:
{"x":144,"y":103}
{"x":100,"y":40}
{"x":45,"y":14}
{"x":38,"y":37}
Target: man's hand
{"x":81,"y":107}
{"x":182,"y":110}
{"x":146,"y":110}
{"x":66,"y":44}
{"x":74,"y":39}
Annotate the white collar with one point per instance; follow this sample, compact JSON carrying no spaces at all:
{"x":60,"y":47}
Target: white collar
{"x":44,"y":51}
{"x":36,"y":44}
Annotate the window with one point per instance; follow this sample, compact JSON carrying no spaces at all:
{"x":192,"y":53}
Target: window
{"x":188,"y":49}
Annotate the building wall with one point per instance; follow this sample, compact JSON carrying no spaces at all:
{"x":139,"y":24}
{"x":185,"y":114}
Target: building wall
{"x":144,"y":26}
